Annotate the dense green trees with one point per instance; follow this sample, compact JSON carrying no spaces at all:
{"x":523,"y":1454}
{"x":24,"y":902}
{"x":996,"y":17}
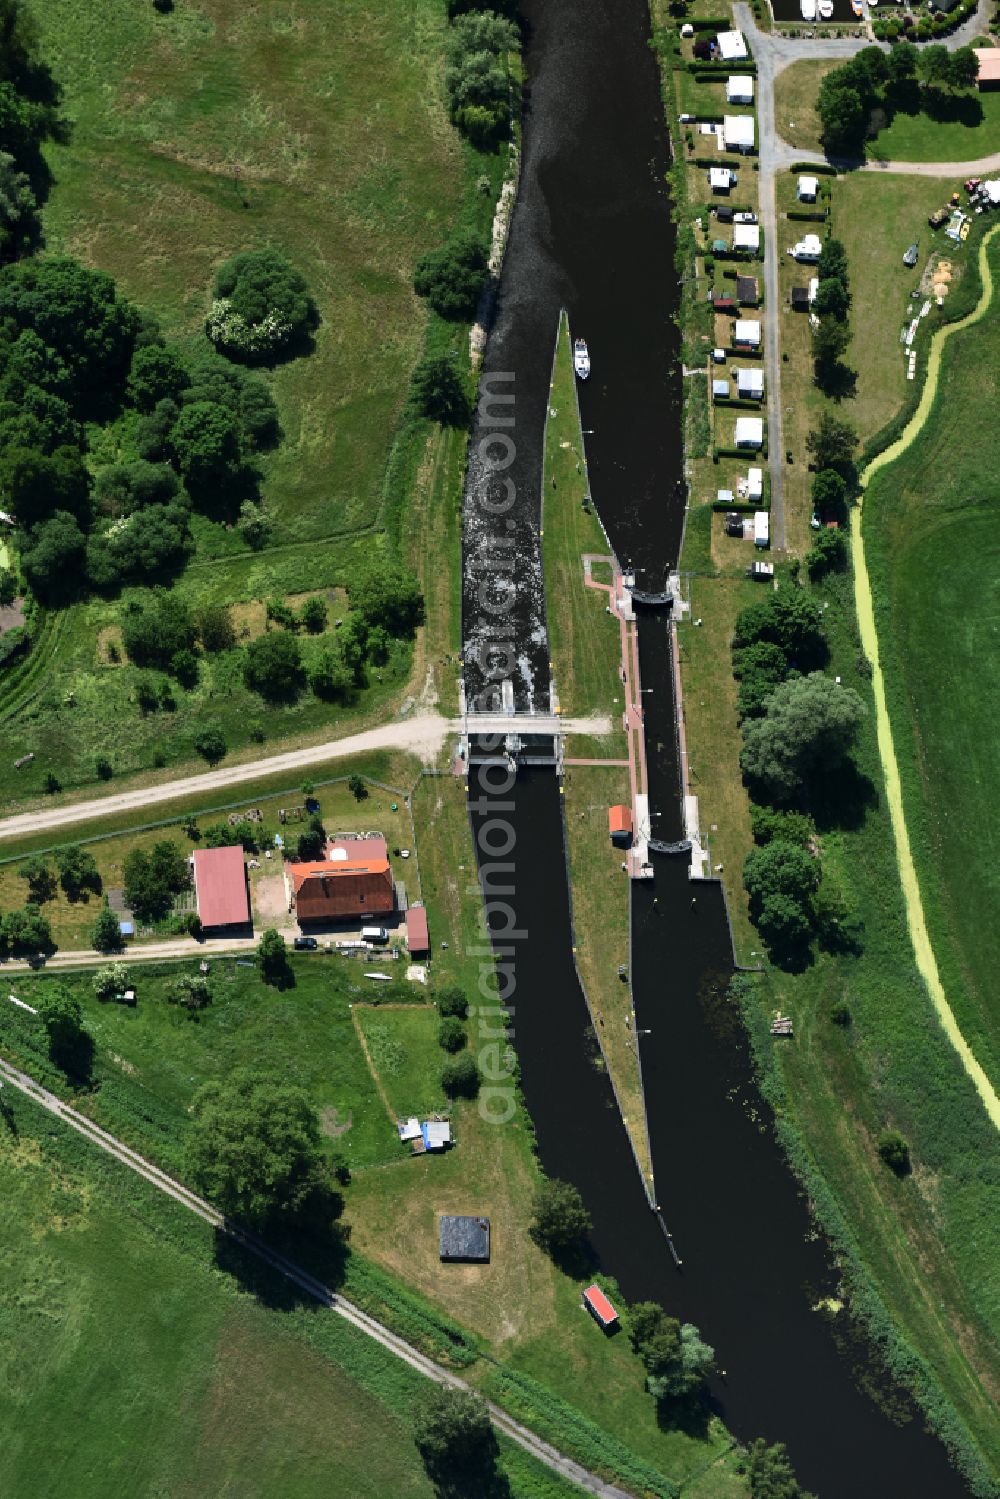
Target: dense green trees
{"x":215,"y":628}
{"x":156,"y":629}
{"x":560,"y":1222}
{"x":78,"y":874}
{"x":457,"y":1443}
{"x":106,"y":934}
{"x":833,"y":444}
{"x":874,"y":80}
{"x":272,"y":955}
{"x":273,"y":665}
{"x":677,"y":1362}
{"x":78,"y":313}
{"x":25,"y":932}
{"x":479,"y":78}
{"x":894,"y":1151}
{"x":255,"y":1151}
{"x":39,"y":878}
{"x":451,"y":1034}
{"x":262,"y":305}
{"x":770,"y":1473}
{"x":452,"y":278}
{"x":828,"y":553}
{"x":60,"y":1013}
{"x":452,"y":1001}
{"x":810,"y":725}
{"x":385,"y":594}
{"x":438,"y":391}
{"x":460,"y":1076}
{"x":789,"y":619}
{"x":152,"y":877}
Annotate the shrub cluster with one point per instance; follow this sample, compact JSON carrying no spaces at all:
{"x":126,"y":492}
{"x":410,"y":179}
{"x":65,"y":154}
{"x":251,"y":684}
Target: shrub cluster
{"x":479,"y":79}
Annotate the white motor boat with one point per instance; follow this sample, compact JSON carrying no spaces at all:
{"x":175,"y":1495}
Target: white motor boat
{"x":808,"y":9}
{"x":581,"y":359}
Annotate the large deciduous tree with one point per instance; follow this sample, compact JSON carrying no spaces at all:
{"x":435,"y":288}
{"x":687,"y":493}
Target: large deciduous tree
{"x":255,"y":1151}
{"x":810,"y":725}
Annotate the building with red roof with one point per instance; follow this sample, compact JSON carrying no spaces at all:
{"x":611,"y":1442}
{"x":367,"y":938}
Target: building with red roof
{"x":418,"y":939}
{"x":600,"y":1307}
{"x":620,"y":824}
{"x":340,"y":889}
{"x":220,"y":886}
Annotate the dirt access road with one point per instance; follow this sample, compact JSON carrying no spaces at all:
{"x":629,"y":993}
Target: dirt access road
{"x":422,"y":736}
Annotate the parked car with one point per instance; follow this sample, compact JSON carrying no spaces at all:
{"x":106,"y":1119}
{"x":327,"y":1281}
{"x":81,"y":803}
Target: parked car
{"x":745,"y":218}
{"x":815,"y":521}
{"x":305,"y":944}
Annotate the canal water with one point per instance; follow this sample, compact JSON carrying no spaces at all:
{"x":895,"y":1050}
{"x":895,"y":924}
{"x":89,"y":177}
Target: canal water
{"x":592,"y":233}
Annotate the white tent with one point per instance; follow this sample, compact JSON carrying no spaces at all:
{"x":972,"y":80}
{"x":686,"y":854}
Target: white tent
{"x":746,"y":331}
{"x":749,"y":432}
{"x":732,"y":46}
{"x":720,"y":179}
{"x":746,"y":237}
{"x":738,"y":132}
{"x":809,"y":247}
{"x":808,"y":189}
{"x":739,"y":89}
{"x":750,"y":384}
{"x":992,"y":190}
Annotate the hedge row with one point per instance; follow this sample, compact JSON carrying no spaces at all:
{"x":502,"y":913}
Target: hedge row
{"x":738,"y":403}
{"x":811,"y":216}
{"x":747,"y":454}
{"x":741,"y":507}
{"x":814,"y":168}
{"x":407,"y":1314}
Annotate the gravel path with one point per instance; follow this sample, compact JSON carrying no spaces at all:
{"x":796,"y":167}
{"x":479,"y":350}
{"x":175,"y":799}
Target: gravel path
{"x":423,"y":736}
{"x":589,"y":1482}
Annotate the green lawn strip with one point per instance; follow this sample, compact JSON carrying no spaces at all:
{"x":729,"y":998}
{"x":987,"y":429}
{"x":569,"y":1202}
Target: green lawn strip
{"x":931,"y":513}
{"x":583,"y":639}
{"x":712,"y":745}
{"x":920,"y":137}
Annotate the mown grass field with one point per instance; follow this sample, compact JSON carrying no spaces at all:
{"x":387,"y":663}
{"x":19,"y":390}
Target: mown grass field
{"x":929,"y":526}
{"x":969,"y":133}
{"x":116,"y":1304}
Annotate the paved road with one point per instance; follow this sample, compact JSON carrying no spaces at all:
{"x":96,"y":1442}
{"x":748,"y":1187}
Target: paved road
{"x":773,"y":53}
{"x":589,"y":1482}
{"x":423,"y":736}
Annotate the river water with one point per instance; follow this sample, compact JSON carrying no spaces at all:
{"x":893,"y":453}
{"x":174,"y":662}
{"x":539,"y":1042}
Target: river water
{"x":592,"y":233}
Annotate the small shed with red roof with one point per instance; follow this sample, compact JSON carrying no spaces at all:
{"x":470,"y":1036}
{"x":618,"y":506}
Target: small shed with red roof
{"x":620,"y":824}
{"x":600,"y":1307}
{"x":417,"y":938}
{"x":220,"y":886}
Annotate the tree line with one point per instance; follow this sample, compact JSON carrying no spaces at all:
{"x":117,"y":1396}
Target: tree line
{"x":799,"y":727}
